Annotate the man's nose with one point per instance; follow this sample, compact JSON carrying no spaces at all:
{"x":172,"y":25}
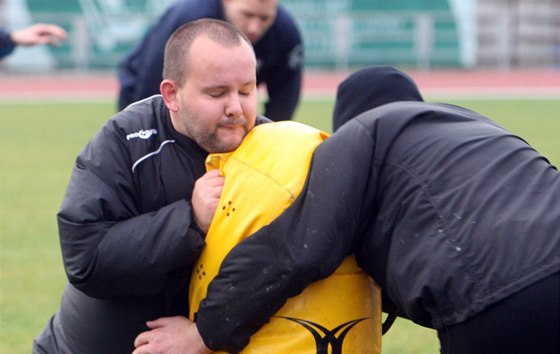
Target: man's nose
{"x":233,"y":106}
{"x":254,"y":26}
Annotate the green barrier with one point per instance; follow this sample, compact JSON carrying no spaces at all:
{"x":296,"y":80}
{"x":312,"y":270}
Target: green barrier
{"x":337,"y":34}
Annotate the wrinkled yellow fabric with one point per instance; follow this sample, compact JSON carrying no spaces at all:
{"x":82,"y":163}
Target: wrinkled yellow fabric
{"x":262,"y":178}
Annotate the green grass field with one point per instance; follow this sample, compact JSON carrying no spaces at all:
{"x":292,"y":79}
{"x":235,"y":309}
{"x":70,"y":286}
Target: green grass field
{"x":39,"y":144}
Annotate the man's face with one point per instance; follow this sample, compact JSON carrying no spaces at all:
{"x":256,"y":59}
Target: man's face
{"x":218,"y":100}
{"x":252,"y":17}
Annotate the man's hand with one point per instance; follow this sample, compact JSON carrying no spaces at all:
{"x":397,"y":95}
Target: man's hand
{"x":206,"y":195}
{"x":170,"y":335}
{"x":39,"y":34}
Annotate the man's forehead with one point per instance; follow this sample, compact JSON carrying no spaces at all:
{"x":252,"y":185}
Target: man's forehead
{"x":258,"y":7}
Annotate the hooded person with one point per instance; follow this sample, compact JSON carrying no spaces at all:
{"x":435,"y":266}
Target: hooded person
{"x":369,"y":88}
{"x":366,"y":89}
{"x":452,"y":215}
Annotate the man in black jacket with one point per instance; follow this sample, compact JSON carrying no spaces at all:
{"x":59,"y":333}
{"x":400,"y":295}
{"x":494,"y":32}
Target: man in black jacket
{"x":455,"y":217}
{"x":139,"y":202}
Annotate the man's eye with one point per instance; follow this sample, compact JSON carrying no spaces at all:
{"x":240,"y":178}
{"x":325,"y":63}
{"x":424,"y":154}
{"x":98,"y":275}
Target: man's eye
{"x":215,"y":94}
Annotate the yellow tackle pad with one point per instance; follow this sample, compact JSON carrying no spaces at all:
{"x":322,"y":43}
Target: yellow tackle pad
{"x":263,"y":176}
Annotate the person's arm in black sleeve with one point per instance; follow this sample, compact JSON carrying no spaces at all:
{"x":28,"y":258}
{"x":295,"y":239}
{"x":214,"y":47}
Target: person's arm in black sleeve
{"x":284,"y":88}
{"x":109,"y":247}
{"x":284,"y":83}
{"x":306,"y":243}
{"x":7,"y":45}
{"x":140,"y":74}
{"x":151,"y":60}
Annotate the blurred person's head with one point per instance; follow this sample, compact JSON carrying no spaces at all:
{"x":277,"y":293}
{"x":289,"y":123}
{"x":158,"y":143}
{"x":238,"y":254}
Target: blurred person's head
{"x":209,"y":84}
{"x":370,"y":88}
{"x":252,"y":17}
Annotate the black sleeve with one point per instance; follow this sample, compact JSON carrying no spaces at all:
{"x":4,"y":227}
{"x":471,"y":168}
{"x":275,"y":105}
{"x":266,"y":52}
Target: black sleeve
{"x":141,"y":73}
{"x":284,"y":79}
{"x":306,"y":243}
{"x":109,"y":247}
{"x":284,"y":89}
{"x":6,"y":43}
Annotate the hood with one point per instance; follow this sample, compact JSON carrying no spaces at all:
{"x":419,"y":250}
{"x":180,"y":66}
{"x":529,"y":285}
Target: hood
{"x":370,"y":88}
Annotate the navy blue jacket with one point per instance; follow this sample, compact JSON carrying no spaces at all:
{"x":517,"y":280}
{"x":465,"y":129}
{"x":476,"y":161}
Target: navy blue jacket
{"x":6,"y":44}
{"x":279,"y":57}
{"x":446,"y":210}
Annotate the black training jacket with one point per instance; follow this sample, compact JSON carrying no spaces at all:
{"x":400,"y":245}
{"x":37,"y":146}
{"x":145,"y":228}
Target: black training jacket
{"x":446,"y":210}
{"x":125,"y":231}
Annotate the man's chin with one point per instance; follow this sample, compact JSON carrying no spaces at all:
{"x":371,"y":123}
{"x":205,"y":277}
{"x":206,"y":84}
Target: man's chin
{"x":252,"y":39}
{"x":230,"y":142}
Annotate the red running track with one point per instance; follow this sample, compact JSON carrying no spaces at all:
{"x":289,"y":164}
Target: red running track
{"x":468,"y":84}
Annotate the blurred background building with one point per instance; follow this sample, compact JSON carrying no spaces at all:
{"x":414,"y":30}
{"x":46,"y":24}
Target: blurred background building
{"x":338,"y":34}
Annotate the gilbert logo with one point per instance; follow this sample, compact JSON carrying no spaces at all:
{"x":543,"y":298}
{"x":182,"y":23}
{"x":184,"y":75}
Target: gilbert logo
{"x":328,"y":338}
{"x":142,"y":134}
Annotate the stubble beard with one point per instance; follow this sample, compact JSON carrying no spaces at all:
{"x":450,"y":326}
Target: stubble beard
{"x":218,"y":140}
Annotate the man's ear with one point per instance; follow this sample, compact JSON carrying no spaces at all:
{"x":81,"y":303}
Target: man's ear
{"x":169,"y":91}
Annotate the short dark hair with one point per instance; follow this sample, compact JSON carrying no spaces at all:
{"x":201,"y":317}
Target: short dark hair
{"x":178,"y":45}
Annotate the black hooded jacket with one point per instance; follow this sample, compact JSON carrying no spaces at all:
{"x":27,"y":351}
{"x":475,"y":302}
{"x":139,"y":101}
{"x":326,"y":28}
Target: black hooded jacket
{"x":369,"y":88}
{"x":446,"y":210}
